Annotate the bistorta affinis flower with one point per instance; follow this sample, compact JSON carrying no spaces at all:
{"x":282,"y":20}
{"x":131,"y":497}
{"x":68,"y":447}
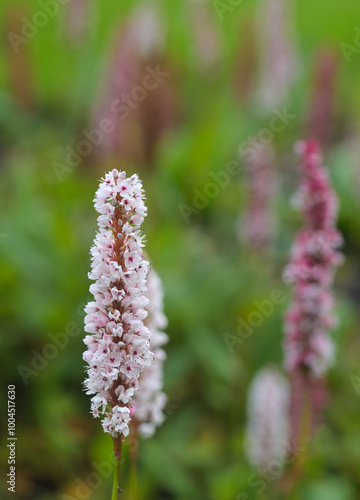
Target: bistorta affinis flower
{"x":309,"y":350}
{"x":314,"y":258}
{"x":118,"y":344}
{"x":257,"y":225}
{"x":150,"y":400}
{"x":121,"y":76}
{"x":267,"y":429}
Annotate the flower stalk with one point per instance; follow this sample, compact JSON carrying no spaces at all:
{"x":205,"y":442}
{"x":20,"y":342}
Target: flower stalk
{"x":117,"y":467}
{"x":118,"y":342}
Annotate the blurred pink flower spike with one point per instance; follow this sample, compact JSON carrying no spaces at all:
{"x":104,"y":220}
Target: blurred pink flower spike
{"x":149,"y":29}
{"x":206,"y":35}
{"x":257,"y":225}
{"x":139,"y":109}
{"x":279,"y":62}
{"x":121,"y":76}
{"x":150,"y":400}
{"x":309,"y":350}
{"x":79,"y":20}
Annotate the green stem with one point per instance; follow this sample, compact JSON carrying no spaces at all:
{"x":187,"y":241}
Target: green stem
{"x":305,"y":433}
{"x":118,"y":443}
{"x":133,"y":476}
{"x":297,"y":470}
{"x":116,"y":479}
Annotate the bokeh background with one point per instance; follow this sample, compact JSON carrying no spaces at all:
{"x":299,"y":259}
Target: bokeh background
{"x":227,"y":72}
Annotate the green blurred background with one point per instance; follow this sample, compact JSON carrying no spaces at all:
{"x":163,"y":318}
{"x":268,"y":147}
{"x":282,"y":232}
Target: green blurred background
{"x":50,"y":89}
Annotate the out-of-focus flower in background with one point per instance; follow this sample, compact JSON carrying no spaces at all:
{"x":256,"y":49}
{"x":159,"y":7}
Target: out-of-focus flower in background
{"x":150,"y":400}
{"x":121,"y":75}
{"x":267,"y":430}
{"x":205,"y":34}
{"x":140,"y":108}
{"x":257,"y":223}
{"x":279,"y":61}
{"x":78,"y":20}
{"x":309,"y":350}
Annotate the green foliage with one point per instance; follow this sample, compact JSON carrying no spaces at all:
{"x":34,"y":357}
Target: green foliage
{"x":210,"y":280}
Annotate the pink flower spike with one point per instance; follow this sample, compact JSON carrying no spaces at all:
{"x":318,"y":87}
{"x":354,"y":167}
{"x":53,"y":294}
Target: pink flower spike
{"x":150,"y":399}
{"x":279,"y":61}
{"x":115,"y":318}
{"x":314,"y":257}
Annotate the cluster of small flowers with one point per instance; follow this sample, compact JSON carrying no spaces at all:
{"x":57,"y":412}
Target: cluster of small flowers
{"x":268,"y":417}
{"x":120,"y":78}
{"x":149,"y":400}
{"x":140,"y":110}
{"x":311,"y":270}
{"x":257,"y":224}
{"x":118,"y":347}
